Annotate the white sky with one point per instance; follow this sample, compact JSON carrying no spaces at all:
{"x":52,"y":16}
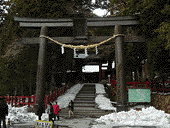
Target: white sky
{"x":100,"y":12}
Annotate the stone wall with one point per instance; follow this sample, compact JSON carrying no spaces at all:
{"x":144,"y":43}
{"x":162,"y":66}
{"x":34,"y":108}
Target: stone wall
{"x":161,"y":101}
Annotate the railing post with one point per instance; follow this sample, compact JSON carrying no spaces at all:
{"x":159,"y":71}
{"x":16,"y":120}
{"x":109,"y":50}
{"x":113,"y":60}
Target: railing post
{"x":134,"y":85}
{"x":29,"y":101}
{"x":146,"y":84}
{"x":11,"y":102}
{"x":55,"y":95}
{"x":33,"y":99}
{"x":6,"y":98}
{"x":19,"y":100}
{"x":62,"y":90}
{"x":163,"y":87}
{"x":45,"y":101}
{"x":48,"y":97}
{"x":15,"y":101}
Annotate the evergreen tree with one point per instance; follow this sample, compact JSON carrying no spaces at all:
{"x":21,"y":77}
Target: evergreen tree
{"x":154,"y":26}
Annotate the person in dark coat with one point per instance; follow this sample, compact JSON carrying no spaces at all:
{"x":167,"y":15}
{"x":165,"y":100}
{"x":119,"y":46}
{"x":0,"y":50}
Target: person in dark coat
{"x":40,"y":111}
{"x":50,"y":111}
{"x":71,"y":108}
{"x":3,"y":111}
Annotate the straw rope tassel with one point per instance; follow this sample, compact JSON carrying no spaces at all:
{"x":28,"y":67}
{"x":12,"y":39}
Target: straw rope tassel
{"x":75,"y":52}
{"x":86,"y":52}
{"x":96,"y":50}
{"x":62,"y":49}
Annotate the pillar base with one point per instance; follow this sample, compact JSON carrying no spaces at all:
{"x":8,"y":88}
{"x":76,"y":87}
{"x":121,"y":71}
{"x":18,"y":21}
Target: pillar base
{"x":122,"y":108}
{"x":36,"y":106}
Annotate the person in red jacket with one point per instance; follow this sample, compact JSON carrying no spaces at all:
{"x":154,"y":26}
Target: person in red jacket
{"x":56,"y":111}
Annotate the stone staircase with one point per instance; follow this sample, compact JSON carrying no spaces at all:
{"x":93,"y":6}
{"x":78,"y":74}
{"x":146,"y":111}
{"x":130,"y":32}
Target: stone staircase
{"x":84,"y":104}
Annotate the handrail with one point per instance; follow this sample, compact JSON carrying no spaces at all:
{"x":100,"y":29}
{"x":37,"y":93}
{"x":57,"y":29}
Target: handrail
{"x":30,"y":100}
{"x":146,"y":83}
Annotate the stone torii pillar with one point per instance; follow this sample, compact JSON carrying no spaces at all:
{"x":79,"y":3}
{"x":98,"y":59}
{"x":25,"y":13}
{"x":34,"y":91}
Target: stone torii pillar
{"x":39,"y":106}
{"x":120,"y":77}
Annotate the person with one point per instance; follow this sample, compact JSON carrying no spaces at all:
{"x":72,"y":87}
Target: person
{"x":71,"y":108}
{"x":50,"y":111}
{"x":56,"y":111}
{"x":40,"y":111}
{"x":3,"y":111}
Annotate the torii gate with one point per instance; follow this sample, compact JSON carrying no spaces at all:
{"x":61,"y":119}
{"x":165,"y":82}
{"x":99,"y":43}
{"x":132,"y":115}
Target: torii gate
{"x":80,"y":36}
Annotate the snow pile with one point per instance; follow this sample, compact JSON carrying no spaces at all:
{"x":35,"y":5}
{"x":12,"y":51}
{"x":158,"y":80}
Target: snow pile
{"x":102,"y":102}
{"x":20,"y":114}
{"x":100,"y":89}
{"x":70,"y":94}
{"x":147,"y":117}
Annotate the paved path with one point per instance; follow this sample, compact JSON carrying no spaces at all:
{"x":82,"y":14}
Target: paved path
{"x":67,"y":123}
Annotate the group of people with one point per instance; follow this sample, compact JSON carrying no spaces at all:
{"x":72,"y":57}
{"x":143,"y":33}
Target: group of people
{"x":54,"y":110}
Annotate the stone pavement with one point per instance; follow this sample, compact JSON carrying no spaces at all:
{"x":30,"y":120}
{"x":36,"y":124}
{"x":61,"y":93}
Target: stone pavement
{"x":67,"y":123}
{"x":76,"y":123}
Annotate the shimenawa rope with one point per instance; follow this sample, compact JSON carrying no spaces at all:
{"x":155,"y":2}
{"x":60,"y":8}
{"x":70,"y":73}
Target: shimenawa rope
{"x":81,"y":46}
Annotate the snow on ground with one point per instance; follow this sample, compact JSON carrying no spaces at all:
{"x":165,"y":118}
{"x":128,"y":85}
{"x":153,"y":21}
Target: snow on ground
{"x":147,"y":117}
{"x":70,"y":94}
{"x":102,"y":102}
{"x":20,"y":114}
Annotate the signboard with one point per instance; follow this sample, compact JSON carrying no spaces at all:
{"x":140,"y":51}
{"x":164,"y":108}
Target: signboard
{"x":139,"y":95}
{"x":80,"y":55}
{"x":43,"y":124}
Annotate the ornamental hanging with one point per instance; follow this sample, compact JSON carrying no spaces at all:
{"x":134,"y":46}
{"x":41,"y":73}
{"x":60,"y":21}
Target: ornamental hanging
{"x":96,"y":50}
{"x":62,"y":49}
{"x":86,"y":52}
{"x":74,"y":51}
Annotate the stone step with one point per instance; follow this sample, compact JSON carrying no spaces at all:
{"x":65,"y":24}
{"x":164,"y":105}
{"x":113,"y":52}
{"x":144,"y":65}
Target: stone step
{"x":91,"y":109}
{"x":86,"y":114}
{"x":82,"y":94}
{"x":86,"y":109}
{"x":88,"y":88}
{"x":84,"y":99}
{"x":82,"y":115}
{"x":97,"y":111}
{"x":84,"y":90}
{"x":85,"y":96}
{"x":87,"y":92}
{"x":83,"y":105}
{"x":87,"y":102}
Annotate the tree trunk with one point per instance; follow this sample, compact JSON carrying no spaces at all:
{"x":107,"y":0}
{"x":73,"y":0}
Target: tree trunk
{"x":30,"y":84}
{"x":22,"y":89}
{"x":15,"y":91}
